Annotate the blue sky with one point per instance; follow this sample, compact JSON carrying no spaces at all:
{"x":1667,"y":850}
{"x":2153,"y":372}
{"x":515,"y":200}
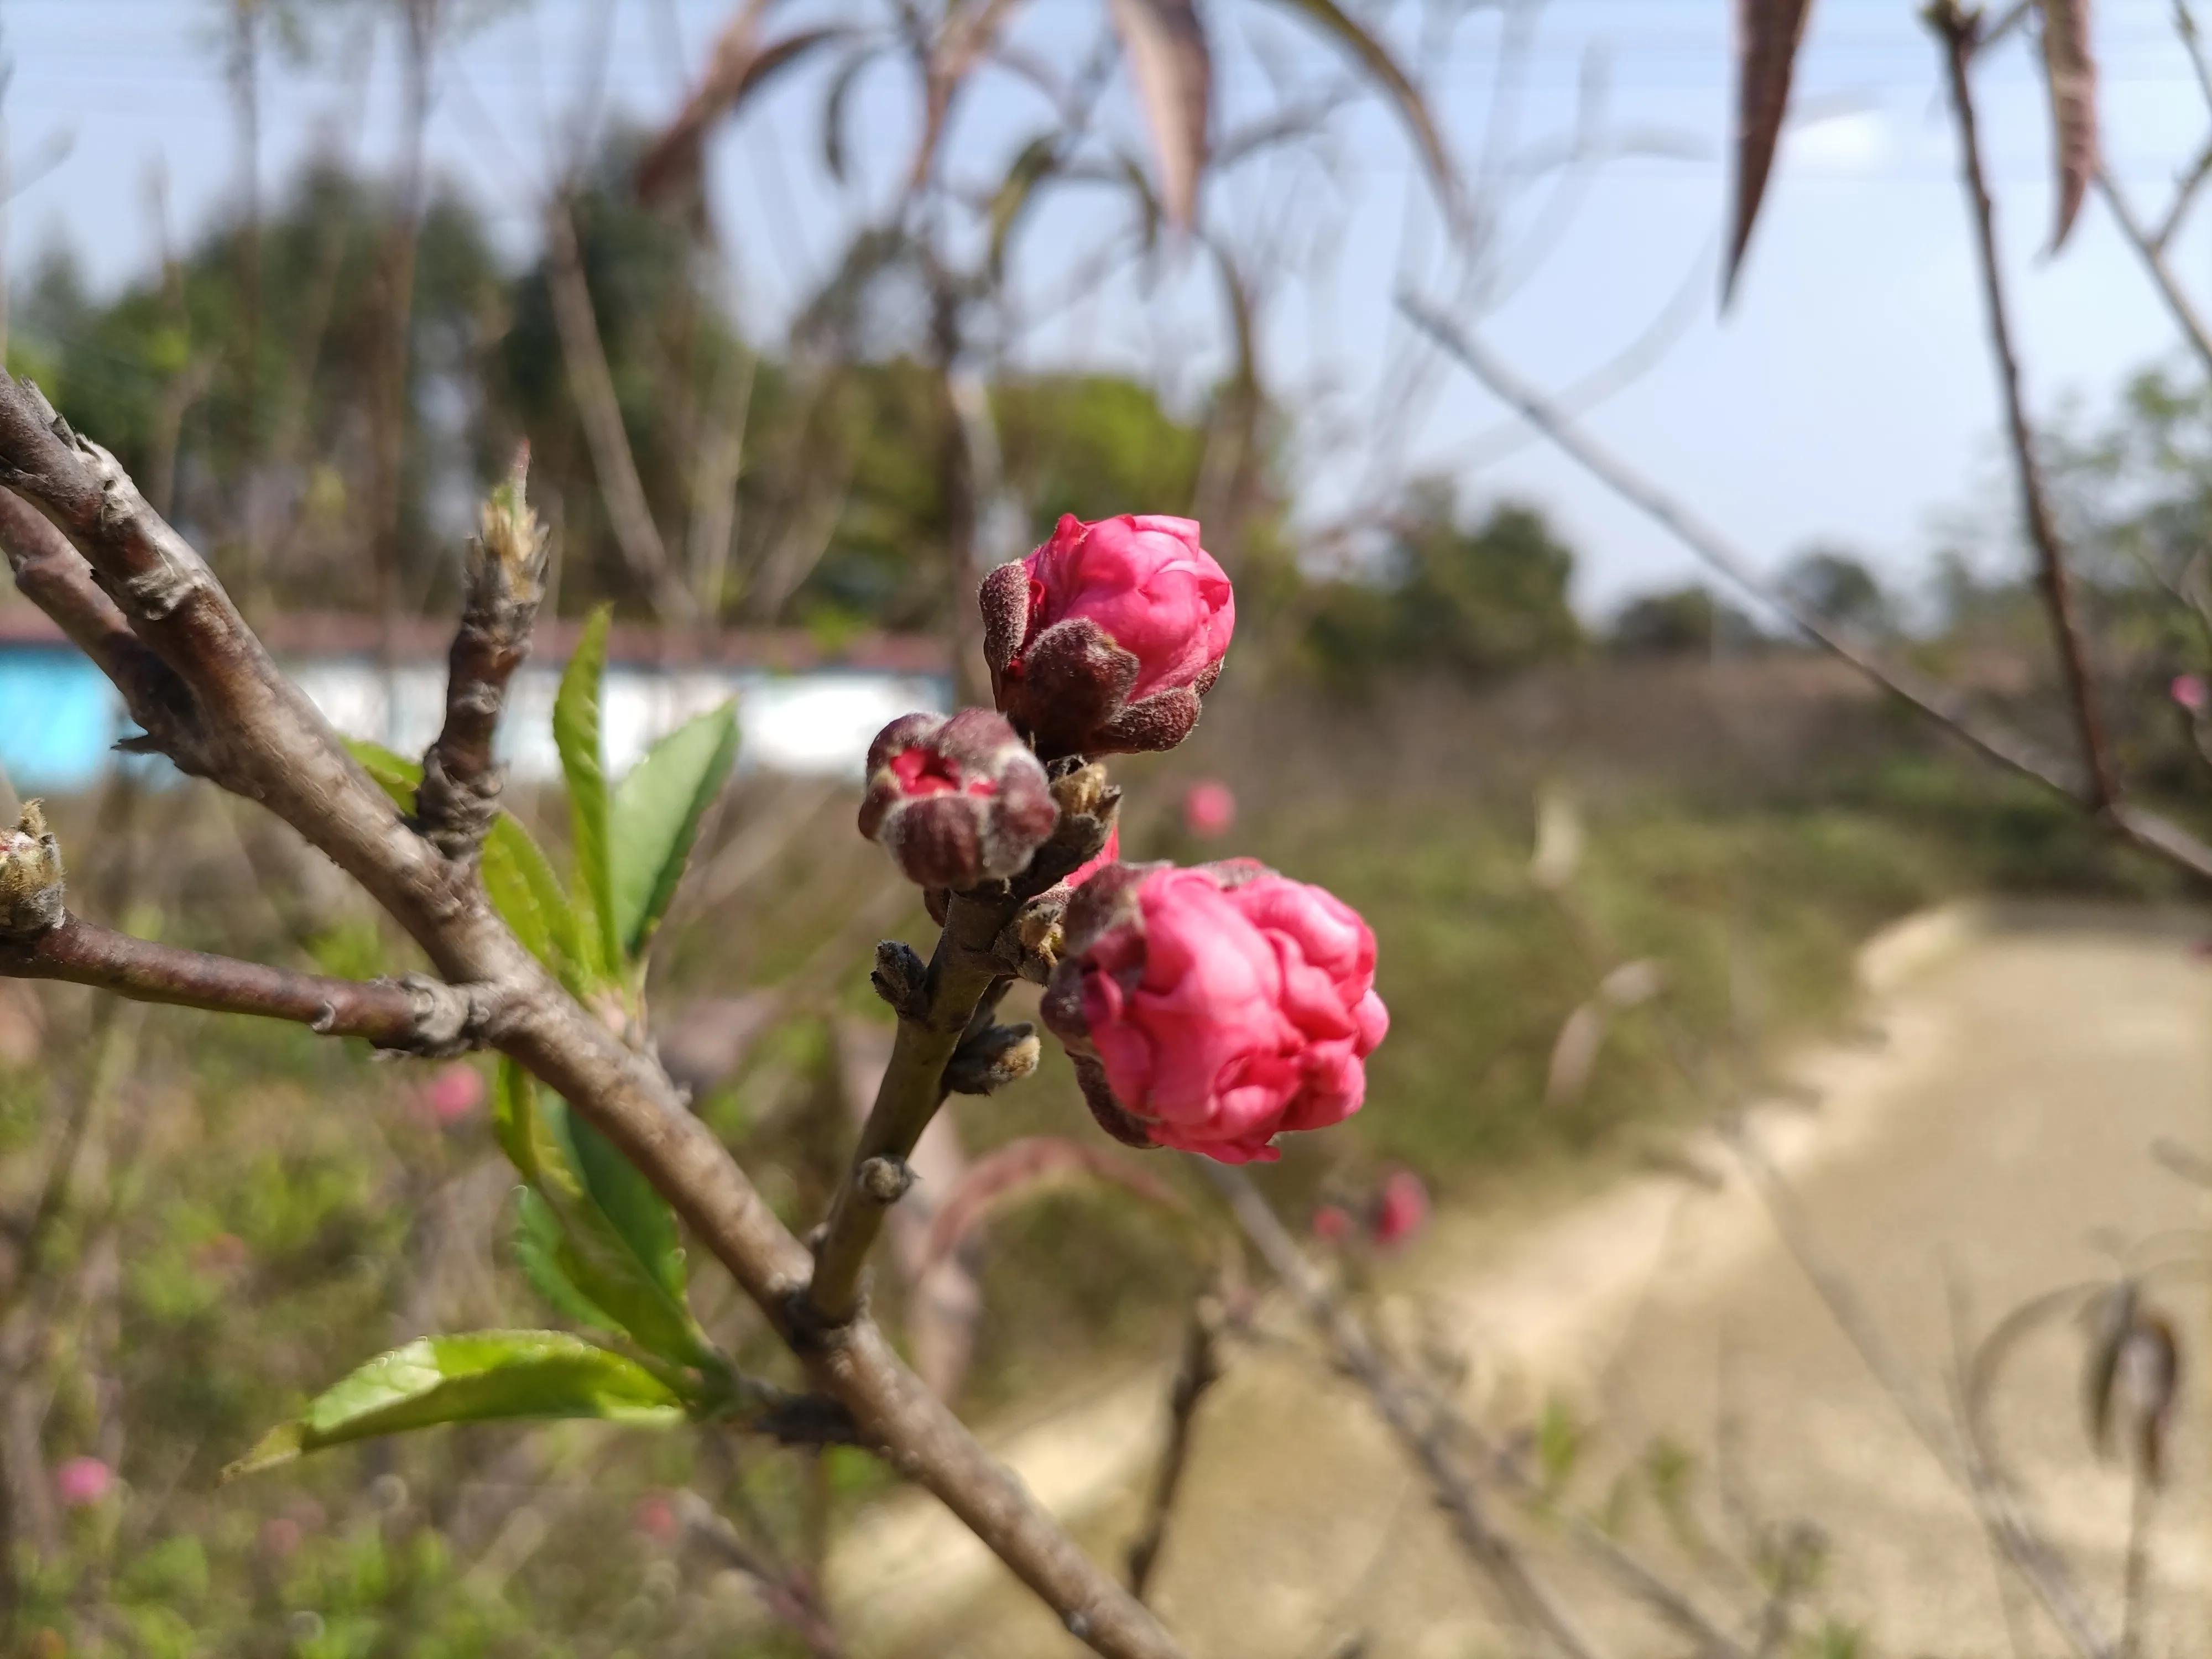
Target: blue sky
{"x":1846,"y":397}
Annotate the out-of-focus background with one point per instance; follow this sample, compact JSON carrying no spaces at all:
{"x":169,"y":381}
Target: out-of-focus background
{"x":803,"y":336}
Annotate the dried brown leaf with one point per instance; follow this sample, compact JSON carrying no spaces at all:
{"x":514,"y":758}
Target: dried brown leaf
{"x":2070,"y":70}
{"x":1767,"y":36}
{"x":1165,"y":45}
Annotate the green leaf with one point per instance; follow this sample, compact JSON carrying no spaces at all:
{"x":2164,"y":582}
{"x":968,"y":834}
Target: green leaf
{"x":655,"y":815}
{"x":518,"y":878}
{"x":394,"y":774}
{"x":539,"y":1247}
{"x":576,"y":733}
{"x":619,"y":1246}
{"x":477,"y":1378}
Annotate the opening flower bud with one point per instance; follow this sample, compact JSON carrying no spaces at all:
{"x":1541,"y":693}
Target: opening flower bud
{"x":30,"y":875}
{"x":956,"y":801}
{"x":1218,"y":1007}
{"x":1103,"y":640}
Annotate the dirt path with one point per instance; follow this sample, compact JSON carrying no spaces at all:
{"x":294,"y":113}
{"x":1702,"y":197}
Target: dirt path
{"x":1996,"y":1136}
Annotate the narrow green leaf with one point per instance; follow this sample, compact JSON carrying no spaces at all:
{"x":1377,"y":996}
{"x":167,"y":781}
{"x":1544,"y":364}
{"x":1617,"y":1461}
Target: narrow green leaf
{"x":517,"y":875}
{"x":392,"y":773}
{"x":576,"y":733}
{"x":539,"y":1248}
{"x":654,"y":819}
{"x":519,"y":878}
{"x":619,"y":1241}
{"x":477,"y":1378}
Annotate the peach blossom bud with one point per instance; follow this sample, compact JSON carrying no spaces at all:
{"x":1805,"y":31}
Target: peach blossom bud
{"x":1402,"y":1208}
{"x":956,"y":801}
{"x":1212,"y":1009}
{"x":2189,"y":691}
{"x":1103,"y":640}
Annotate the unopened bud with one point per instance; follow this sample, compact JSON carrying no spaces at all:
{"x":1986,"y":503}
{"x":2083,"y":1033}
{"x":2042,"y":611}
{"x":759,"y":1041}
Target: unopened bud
{"x":900,"y":978}
{"x":30,"y":876}
{"x":956,"y":801}
{"x":992,"y":1059}
{"x":510,"y":539}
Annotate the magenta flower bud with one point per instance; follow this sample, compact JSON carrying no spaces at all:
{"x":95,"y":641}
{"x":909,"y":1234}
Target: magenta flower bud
{"x":2189,"y":691}
{"x":1213,"y":1009}
{"x":956,"y":801}
{"x":1102,"y":641}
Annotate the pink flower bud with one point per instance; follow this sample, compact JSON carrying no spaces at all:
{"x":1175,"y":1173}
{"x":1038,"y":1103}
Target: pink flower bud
{"x":956,"y":801}
{"x":1209,"y":811}
{"x":1332,"y":1223}
{"x":1109,"y":853}
{"x":1212,"y":1009}
{"x":1102,"y":641}
{"x":453,"y":1093}
{"x":2189,"y":691}
{"x":281,"y":1536}
{"x":1402,"y":1208}
{"x":80,"y":1482}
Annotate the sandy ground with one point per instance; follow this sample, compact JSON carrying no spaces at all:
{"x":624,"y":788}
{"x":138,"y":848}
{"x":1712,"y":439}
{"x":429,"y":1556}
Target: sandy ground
{"x":1990,"y":1134}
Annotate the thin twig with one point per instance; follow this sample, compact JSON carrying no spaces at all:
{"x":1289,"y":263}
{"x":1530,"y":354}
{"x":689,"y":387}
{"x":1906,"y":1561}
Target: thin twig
{"x":417,"y":1015}
{"x":1958,"y":30}
{"x":1532,"y":1601}
{"x":1961,"y":1455}
{"x":1942,"y":703}
{"x":2152,"y":250}
{"x":1196,"y":1371}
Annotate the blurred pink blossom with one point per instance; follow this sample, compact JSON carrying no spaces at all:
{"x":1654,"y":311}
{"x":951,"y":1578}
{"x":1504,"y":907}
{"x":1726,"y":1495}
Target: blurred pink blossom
{"x":453,"y":1093}
{"x":1209,"y":810}
{"x":2189,"y":691}
{"x":655,"y":1516}
{"x":1402,"y":1208}
{"x":280,"y":1536}
{"x":81,"y":1482}
{"x":1332,"y":1223}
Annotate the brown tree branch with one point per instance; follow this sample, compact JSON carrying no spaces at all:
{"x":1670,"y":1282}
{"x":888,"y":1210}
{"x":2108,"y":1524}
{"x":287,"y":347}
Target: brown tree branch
{"x":1958,"y":30}
{"x":51,"y":575}
{"x":416,"y":1015}
{"x":1944,"y":704}
{"x":505,"y":580}
{"x":268,"y":742}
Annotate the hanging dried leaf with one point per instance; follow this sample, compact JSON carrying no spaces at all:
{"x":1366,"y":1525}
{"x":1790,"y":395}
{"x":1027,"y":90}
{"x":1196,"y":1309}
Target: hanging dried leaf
{"x":966,"y":37}
{"x":1767,"y":35}
{"x":2071,"y":71}
{"x":1023,"y":1168}
{"x":740,"y":67}
{"x":1412,"y":108}
{"x":1165,"y":45}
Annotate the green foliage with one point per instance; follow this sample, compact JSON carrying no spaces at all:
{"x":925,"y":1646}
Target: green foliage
{"x":576,"y":732}
{"x":654,"y":819}
{"x":1688,"y":621}
{"x":1474,"y":600}
{"x":481,"y":1376}
{"x":617,"y":1248}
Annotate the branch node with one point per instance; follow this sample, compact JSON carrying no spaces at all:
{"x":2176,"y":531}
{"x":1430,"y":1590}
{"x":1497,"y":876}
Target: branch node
{"x":450,"y":1020}
{"x":31,"y":890}
{"x":990,"y":1058}
{"x":883,"y":1181}
{"x":326,"y":1020}
{"x":900,"y":978}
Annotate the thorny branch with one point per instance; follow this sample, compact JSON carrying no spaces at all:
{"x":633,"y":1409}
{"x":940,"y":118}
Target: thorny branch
{"x":266,"y":741}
